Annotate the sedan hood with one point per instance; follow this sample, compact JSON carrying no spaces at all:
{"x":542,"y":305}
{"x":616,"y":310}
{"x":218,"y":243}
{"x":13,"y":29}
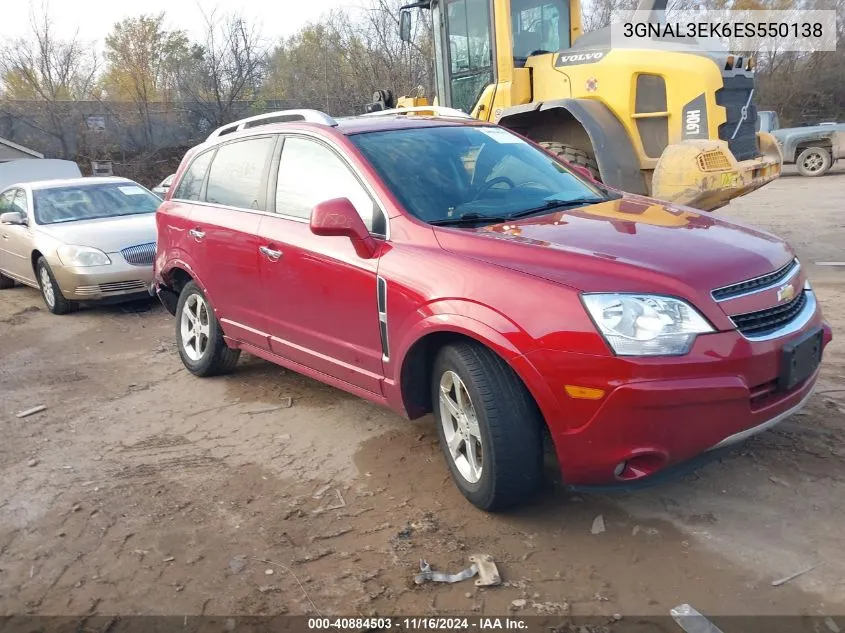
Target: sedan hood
{"x":110,"y":235}
{"x":629,"y":244}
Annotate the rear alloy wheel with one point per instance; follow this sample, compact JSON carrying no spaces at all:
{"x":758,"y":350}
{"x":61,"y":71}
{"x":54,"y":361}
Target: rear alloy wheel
{"x":50,"y":291}
{"x":489,"y":427}
{"x":199,"y":337}
{"x":813,"y":161}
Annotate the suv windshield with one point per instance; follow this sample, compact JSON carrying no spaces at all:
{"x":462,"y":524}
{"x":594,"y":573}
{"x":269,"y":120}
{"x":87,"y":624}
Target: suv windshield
{"x":89,"y":202}
{"x":444,"y":175}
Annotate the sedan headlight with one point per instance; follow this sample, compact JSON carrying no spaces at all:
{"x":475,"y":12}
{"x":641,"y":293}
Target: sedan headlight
{"x":646,"y":325}
{"x":82,"y":256}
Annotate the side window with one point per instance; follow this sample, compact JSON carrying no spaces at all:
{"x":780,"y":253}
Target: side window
{"x":190,"y":187}
{"x":470,"y":51}
{"x":237,"y":173}
{"x":6,"y":199}
{"x":19,"y":203}
{"x":310,"y":173}
{"x":537,"y":28}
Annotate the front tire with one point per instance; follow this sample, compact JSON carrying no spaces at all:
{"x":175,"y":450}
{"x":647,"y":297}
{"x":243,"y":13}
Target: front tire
{"x":199,"y":337}
{"x":813,"y":161}
{"x":489,"y":427}
{"x":50,"y":291}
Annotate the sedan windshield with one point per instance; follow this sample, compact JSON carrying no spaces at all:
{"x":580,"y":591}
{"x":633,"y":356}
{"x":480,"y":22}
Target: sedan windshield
{"x":89,"y":202}
{"x":471,"y":174}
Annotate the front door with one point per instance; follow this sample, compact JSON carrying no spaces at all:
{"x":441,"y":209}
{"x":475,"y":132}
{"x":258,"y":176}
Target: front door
{"x":224,"y":236}
{"x":16,"y":240}
{"x":320,"y":296}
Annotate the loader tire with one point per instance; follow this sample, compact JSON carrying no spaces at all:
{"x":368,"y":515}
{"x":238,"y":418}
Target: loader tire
{"x":574,"y":156}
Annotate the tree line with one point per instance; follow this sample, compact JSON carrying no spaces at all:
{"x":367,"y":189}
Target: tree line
{"x":149,"y":72}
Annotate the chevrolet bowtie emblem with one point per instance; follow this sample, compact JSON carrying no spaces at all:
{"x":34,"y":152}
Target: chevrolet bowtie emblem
{"x":785,"y":293}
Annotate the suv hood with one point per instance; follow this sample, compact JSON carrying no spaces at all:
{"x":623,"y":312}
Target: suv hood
{"x":110,"y":235}
{"x":628,"y":244}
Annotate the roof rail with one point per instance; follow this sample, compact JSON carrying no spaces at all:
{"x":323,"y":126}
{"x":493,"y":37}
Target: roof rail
{"x":281,"y":116}
{"x":432,"y":110}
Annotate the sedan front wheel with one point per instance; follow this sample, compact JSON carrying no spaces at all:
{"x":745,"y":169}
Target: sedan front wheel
{"x":50,"y":291}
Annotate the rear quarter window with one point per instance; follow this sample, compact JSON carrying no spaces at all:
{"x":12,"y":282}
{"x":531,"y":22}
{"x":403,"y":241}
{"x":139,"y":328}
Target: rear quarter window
{"x":190,"y":186}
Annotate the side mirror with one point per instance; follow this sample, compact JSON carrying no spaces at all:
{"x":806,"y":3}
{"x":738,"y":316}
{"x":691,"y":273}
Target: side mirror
{"x":405,"y":25}
{"x":13,"y":217}
{"x":338,"y":218}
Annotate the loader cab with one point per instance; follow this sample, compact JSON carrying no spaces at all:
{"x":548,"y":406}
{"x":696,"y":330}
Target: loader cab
{"x":538,"y":27}
{"x":467,"y":46}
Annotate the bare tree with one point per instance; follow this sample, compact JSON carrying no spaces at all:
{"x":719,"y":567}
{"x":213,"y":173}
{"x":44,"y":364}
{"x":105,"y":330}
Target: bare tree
{"x":142,"y":56}
{"x":227,"y":68}
{"x":337,"y":64}
{"x":51,"y":73}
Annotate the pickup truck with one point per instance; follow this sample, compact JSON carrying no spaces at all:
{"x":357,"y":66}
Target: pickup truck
{"x":812,"y":149}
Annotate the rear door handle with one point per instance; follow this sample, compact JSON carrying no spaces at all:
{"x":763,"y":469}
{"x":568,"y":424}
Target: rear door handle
{"x":271,"y":254}
{"x":196,"y":234}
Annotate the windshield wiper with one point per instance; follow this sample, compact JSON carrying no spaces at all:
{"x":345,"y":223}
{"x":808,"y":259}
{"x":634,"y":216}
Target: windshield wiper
{"x":470,"y":218}
{"x":557,"y":204}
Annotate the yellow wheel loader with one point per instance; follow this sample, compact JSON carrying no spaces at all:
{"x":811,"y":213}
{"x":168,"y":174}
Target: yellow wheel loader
{"x":679,"y":125}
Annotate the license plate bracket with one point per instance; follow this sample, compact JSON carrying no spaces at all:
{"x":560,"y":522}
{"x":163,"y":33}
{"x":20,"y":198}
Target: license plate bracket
{"x":800,"y":359}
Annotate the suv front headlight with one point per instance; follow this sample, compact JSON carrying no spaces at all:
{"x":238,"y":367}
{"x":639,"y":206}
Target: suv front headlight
{"x":82,"y":256}
{"x":645,"y":325}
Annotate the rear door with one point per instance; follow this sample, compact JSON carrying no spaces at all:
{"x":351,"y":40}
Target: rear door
{"x":16,"y":240}
{"x":224,"y":236}
{"x":320,"y":296}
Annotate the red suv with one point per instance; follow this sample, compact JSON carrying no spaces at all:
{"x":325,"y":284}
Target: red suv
{"x":437,"y":264}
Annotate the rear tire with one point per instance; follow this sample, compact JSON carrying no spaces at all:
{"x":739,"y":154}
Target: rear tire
{"x":199,"y":337}
{"x":6,"y":282}
{"x":574,"y":156}
{"x":814,"y":161}
{"x":50,"y":292}
{"x":501,"y":427}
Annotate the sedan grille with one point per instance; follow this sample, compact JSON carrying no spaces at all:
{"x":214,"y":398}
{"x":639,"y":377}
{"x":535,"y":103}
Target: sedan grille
{"x":141,"y":255}
{"x":758,"y":283}
{"x":114,"y":286}
{"x":766,"y":321}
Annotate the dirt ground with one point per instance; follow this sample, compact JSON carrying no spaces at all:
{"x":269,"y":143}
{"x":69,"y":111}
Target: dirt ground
{"x":144,"y":490}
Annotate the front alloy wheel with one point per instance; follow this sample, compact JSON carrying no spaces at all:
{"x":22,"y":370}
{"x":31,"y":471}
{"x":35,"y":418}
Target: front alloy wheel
{"x":460,"y":427}
{"x":50,"y":291}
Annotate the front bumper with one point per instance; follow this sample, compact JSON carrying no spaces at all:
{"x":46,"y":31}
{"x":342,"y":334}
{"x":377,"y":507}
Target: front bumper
{"x":704,"y":174}
{"x":103,"y":283}
{"x":659,"y":412}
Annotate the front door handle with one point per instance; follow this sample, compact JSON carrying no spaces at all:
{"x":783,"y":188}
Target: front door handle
{"x":271,"y":254}
{"x":196,"y":234}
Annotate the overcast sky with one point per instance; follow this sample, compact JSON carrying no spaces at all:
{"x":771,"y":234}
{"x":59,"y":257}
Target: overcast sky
{"x":94,"y":18}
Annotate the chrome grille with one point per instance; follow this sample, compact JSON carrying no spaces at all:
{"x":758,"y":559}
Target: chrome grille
{"x":756,"y":284}
{"x":114,"y":286}
{"x":141,"y":255}
{"x":763,"y":322}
